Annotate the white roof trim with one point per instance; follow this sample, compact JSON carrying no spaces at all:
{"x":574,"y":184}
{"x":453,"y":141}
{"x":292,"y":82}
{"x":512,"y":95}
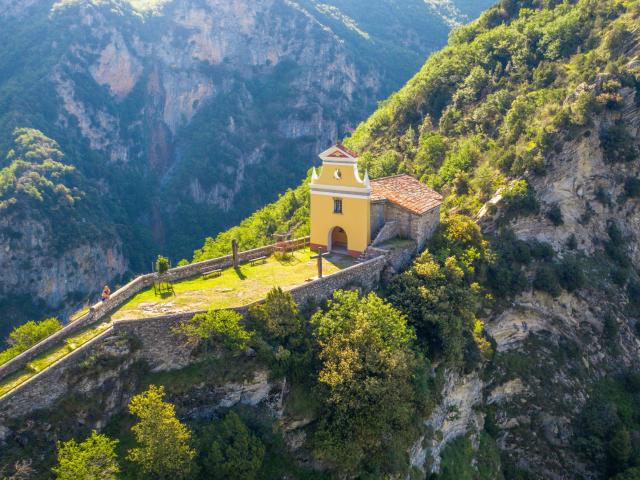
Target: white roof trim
{"x":347,"y":158}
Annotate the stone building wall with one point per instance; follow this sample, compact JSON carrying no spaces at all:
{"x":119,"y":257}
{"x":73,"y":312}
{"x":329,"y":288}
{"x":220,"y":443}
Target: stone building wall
{"x":416,"y":227}
{"x":377,"y":217}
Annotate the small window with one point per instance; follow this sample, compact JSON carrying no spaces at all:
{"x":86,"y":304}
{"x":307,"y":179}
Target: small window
{"x":337,"y":205}
{"x":337,"y":174}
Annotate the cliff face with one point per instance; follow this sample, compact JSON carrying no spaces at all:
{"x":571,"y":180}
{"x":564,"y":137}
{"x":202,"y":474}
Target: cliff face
{"x":189,"y":114}
{"x":579,"y":339}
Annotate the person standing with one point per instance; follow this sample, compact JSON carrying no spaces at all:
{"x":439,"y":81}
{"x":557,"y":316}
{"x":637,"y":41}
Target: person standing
{"x":106,"y":293}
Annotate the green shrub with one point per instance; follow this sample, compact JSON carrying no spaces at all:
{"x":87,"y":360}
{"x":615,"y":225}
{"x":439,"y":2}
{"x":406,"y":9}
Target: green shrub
{"x":618,"y":144}
{"x":546,"y":280}
{"x":24,"y":337}
{"x":571,"y":274}
{"x":554,"y":214}
{"x":632,"y":187}
{"x":162,"y":264}
{"x":216,"y":326}
{"x":457,"y":456}
{"x":228,"y":450}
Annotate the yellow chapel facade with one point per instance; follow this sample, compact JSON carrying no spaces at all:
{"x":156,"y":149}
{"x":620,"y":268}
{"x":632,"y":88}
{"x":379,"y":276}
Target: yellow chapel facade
{"x":349,"y":213}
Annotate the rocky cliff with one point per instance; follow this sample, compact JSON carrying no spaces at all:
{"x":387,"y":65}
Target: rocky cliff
{"x":189,"y":114}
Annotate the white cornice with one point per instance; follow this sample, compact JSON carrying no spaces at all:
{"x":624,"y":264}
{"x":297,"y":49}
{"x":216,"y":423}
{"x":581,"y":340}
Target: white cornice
{"x":338,"y":194}
{"x":340,"y":188}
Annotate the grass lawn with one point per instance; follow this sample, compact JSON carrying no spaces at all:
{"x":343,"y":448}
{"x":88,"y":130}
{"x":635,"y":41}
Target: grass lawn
{"x":232,"y":288}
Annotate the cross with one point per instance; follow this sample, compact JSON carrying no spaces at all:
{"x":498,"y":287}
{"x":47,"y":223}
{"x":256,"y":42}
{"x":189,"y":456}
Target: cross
{"x":319,"y":257}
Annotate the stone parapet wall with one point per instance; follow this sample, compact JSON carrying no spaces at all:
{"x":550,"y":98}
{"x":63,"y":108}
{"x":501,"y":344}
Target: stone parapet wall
{"x":44,"y":388}
{"x":102,"y":310}
{"x":161,"y":348}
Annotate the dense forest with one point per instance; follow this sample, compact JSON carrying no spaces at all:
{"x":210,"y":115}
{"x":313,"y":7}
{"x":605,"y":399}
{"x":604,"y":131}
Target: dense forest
{"x":493,"y":121}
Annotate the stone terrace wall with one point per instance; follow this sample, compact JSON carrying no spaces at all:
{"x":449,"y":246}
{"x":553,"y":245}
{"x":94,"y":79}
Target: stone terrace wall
{"x":160,"y":347}
{"x":43,"y":389}
{"x":101,"y":310}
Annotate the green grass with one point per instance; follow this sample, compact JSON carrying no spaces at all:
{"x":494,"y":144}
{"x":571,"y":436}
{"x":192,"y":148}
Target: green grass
{"x":79,"y":313}
{"x":14,"y":380}
{"x":232,"y":288}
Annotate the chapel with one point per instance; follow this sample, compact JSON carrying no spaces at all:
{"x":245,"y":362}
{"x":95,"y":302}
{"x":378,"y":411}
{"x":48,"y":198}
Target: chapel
{"x":349,"y":213}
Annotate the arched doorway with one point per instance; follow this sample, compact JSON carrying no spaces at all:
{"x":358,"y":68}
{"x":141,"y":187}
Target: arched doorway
{"x":338,"y":240}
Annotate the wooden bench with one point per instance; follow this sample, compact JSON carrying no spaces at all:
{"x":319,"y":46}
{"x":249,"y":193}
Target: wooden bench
{"x":215,"y":272}
{"x":255,"y":261}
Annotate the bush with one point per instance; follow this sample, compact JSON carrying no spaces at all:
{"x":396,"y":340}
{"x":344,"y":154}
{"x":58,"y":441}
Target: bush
{"x":610,"y":327}
{"x":618,"y":145}
{"x":93,"y":459}
{"x":520,"y":198}
{"x":546,"y":280}
{"x":632,"y":187}
{"x":221,"y":326}
{"x":162,"y":264}
{"x":24,"y":337}
{"x":230,"y":451}
{"x":570,"y":274}
{"x":555,"y":215}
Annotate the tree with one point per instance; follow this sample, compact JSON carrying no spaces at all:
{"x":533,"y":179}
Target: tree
{"x":32,"y":332}
{"x":93,"y":459}
{"x":546,"y":280}
{"x":163,"y":450}
{"x":630,"y":474}
{"x":364,"y":348}
{"x":440,"y":304}
{"x":619,"y":450}
{"x":216,"y":326}
{"x":25,"y":336}
{"x":230,"y":451}
{"x":278,"y":316}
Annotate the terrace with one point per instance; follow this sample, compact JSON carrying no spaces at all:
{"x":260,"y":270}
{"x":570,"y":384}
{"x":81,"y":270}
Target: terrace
{"x":232,"y":288}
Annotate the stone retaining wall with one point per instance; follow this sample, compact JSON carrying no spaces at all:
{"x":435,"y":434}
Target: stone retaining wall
{"x":101,"y":310}
{"x":44,"y":388}
{"x":162,"y":349}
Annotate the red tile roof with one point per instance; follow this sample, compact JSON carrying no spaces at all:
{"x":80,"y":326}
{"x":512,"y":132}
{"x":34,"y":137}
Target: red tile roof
{"x":346,"y":150}
{"x":406,"y":192}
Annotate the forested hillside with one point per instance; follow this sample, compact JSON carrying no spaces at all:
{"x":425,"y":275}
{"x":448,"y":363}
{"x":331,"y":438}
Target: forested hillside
{"x":509,"y":349}
{"x":528,"y":123}
{"x":177,"y":112}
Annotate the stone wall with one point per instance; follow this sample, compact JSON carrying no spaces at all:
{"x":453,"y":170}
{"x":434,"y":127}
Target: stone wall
{"x":389,"y":231}
{"x":417,"y":227}
{"x":377,"y":217}
{"x":159,"y":347}
{"x":101,"y":310}
{"x":41,"y":390}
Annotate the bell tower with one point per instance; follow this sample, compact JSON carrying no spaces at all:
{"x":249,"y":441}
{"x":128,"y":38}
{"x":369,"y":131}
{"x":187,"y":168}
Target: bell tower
{"x":340,"y":204}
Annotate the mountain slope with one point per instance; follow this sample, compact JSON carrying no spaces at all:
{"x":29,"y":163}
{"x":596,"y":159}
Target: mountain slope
{"x":181,"y":110}
{"x":529,"y":122}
